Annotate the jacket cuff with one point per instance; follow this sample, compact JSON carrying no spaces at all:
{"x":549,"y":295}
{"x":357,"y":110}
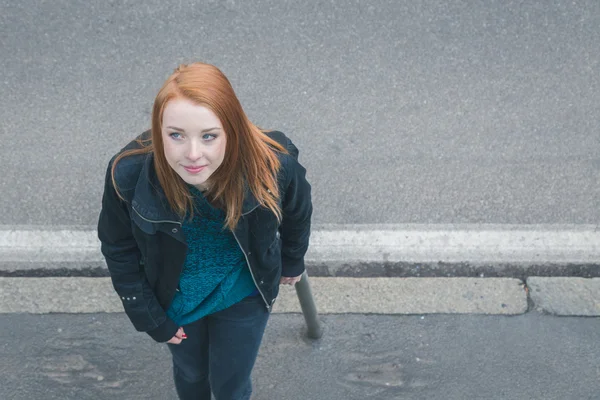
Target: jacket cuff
{"x":164,"y":331}
{"x":292,"y":268}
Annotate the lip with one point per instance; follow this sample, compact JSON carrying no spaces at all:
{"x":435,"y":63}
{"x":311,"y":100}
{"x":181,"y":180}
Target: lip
{"x":194,"y":170}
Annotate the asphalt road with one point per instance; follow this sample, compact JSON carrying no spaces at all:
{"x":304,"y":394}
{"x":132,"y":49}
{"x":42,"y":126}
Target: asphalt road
{"x":445,"y":357}
{"x":405,"y":112}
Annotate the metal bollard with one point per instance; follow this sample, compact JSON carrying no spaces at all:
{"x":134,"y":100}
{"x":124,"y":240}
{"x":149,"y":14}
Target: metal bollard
{"x":309,"y":309}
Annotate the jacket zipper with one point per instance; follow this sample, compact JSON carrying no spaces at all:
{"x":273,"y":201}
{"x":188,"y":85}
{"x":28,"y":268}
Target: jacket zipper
{"x":251,"y":273}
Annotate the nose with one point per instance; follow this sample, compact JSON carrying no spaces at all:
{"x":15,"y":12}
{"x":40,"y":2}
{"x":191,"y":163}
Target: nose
{"x":194,"y":151}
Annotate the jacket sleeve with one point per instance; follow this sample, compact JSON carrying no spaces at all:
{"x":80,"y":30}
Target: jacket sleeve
{"x":123,"y":260}
{"x":297,"y":212}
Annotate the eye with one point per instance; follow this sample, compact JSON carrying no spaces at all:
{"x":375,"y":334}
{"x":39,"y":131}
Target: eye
{"x":172,"y":135}
{"x":208,"y":137}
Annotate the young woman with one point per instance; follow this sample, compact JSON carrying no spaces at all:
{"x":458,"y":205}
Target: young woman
{"x":203,"y":216}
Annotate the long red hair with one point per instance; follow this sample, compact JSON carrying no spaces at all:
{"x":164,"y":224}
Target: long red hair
{"x":250,"y":155}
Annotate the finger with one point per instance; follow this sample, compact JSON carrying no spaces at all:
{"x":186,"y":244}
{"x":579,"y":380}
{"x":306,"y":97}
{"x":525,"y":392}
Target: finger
{"x":179,"y":333}
{"x":174,"y":340}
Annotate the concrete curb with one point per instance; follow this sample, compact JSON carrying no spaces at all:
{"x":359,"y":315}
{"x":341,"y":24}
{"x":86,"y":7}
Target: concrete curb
{"x":409,"y":250}
{"x":565,"y":296}
{"x":495,"y":296}
{"x":505,"y":296}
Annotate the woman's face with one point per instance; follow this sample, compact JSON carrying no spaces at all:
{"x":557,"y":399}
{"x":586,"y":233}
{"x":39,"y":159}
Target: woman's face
{"x":194,"y":141}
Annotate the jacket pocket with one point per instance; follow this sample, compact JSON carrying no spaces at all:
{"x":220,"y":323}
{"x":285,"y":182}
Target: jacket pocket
{"x":273,"y":255}
{"x":275,"y":245}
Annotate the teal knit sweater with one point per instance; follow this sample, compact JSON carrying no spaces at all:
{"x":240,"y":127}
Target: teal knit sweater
{"x":215,"y":274}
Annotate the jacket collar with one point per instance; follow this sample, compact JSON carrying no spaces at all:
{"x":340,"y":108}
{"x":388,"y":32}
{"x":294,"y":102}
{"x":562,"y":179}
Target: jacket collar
{"x":151,"y":202}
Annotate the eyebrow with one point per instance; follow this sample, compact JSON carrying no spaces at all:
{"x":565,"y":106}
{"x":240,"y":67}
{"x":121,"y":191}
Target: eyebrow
{"x":181,"y":130}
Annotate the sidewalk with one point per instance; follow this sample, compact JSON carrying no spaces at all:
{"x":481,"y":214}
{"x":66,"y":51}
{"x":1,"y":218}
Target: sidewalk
{"x":434,"y":357}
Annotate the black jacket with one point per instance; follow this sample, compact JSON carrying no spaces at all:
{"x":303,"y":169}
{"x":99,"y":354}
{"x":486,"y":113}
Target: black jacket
{"x":145,"y":247}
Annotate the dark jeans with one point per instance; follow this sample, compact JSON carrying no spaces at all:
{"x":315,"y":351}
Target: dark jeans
{"x":219,"y":352}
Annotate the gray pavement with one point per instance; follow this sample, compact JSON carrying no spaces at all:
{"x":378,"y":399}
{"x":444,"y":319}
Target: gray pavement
{"x":445,"y":357}
{"x":425,"y":112}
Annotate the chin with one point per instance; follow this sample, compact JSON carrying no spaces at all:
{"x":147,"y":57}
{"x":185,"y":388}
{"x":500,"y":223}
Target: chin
{"x":198,"y":181}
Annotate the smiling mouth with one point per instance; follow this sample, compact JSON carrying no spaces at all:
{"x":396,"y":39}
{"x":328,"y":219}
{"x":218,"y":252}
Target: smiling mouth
{"x":194,"y":169}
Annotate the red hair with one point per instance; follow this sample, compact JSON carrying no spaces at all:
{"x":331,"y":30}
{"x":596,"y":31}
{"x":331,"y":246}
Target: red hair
{"x":250,"y":155}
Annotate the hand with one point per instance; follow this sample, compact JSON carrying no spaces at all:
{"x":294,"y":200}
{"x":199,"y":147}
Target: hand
{"x":289,"y":280}
{"x":179,"y":336}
